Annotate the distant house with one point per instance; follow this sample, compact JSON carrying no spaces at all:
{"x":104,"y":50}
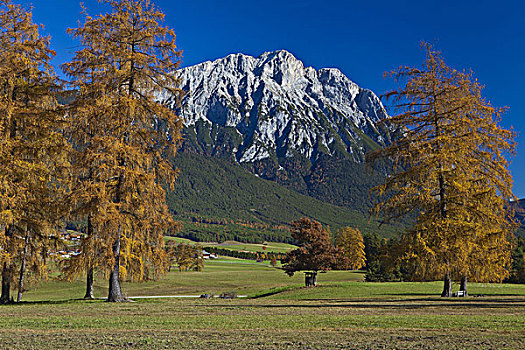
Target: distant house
{"x":66,"y":254}
{"x":207,"y":255}
{"x":71,"y":236}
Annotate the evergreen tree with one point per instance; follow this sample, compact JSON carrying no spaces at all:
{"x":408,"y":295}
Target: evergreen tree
{"x":124,"y":138}
{"x":451,"y":172}
{"x":518,"y":262}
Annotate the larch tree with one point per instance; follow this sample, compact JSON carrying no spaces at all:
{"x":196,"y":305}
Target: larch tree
{"x":124,"y":140}
{"x":350,"y":241}
{"x":33,"y":152}
{"x":490,"y":243}
{"x":315,"y":252}
{"x":450,"y":171}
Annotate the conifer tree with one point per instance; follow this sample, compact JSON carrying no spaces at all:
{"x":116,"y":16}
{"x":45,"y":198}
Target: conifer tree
{"x":124,"y":139}
{"x":450,"y":172}
{"x":33,"y":153}
{"x":350,"y":241}
{"x":518,"y":262}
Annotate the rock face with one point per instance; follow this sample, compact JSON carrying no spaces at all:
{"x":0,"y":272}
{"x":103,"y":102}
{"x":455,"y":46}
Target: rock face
{"x":281,"y":120}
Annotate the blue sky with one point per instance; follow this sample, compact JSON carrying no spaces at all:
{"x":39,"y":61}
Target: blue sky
{"x":362,"y":38}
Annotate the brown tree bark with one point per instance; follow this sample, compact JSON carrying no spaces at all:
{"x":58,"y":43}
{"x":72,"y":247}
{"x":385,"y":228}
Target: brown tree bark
{"x":310,"y":279}
{"x":89,"y":268}
{"x":22,"y":271}
{"x":89,"y":285}
{"x":463,"y":285}
{"x":7,"y":270}
{"x":447,"y":286}
{"x":115,"y":291}
{"x":7,"y":274}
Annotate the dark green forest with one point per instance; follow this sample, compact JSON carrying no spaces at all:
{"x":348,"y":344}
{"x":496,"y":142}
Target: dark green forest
{"x":215,"y":198}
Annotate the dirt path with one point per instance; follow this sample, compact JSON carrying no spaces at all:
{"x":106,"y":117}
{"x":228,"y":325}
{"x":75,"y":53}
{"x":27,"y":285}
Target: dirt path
{"x":171,"y":296}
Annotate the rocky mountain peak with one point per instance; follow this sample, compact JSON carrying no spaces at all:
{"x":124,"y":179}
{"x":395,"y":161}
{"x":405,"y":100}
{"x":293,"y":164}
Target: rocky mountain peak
{"x":273,"y":107}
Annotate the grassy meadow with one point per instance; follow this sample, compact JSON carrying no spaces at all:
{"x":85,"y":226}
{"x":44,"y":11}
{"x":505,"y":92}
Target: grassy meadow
{"x":274,"y":247}
{"x":343,"y":312}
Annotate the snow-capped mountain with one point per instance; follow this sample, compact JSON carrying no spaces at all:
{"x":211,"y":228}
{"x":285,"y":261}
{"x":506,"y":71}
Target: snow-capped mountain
{"x":273,"y":107}
{"x":304,"y":128}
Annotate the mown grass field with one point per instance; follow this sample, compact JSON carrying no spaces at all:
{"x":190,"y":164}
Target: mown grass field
{"x":341,"y":313}
{"x":274,"y":247}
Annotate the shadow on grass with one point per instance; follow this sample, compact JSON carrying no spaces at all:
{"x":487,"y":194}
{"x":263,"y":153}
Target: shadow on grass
{"x":405,"y":303}
{"x":273,"y":291}
{"x":402,"y":305}
{"x":413,"y":294}
{"x":53,"y":302}
{"x":433,"y":300}
{"x":470,"y":295}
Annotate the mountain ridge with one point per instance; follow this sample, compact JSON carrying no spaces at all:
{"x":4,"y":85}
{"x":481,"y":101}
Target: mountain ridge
{"x":278,"y":107}
{"x":303,"y":128}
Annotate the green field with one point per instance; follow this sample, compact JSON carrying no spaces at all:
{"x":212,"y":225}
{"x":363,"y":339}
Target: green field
{"x":341,"y":313}
{"x":221,"y":275}
{"x":274,"y":247}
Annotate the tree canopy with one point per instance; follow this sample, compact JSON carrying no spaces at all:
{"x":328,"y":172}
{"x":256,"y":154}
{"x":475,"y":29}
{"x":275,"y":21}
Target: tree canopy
{"x":33,"y":152}
{"x":124,"y":137}
{"x":450,"y":172}
{"x":315,"y":252}
{"x":350,"y":241}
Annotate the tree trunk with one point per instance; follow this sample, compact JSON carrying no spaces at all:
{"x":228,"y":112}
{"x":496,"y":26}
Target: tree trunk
{"x":310,"y":279}
{"x":6,"y":284}
{"x":7,"y":273}
{"x":115,"y":292}
{"x":463,"y":286}
{"x":89,"y":285}
{"x":89,"y":268}
{"x":447,"y":286}
{"x":22,"y":272}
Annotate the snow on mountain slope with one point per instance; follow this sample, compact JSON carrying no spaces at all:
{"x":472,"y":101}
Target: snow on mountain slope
{"x":274,"y":108}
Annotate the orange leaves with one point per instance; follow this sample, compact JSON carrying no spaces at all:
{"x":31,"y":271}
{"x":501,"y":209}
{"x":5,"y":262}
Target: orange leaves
{"x":315,"y":252}
{"x":186,"y":256}
{"x":451,"y":172}
{"x":350,"y":241}
{"x":33,"y":152}
{"x":125,"y":138}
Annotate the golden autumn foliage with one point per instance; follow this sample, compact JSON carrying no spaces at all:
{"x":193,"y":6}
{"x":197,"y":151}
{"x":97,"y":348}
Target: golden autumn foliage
{"x":185,"y":256}
{"x":350,"y":241}
{"x":33,"y":152}
{"x":451,"y":172}
{"x":123,"y":138}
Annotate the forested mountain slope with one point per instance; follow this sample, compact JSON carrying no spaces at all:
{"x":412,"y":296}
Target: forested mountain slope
{"x":306,"y":129}
{"x":214,"y":196}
